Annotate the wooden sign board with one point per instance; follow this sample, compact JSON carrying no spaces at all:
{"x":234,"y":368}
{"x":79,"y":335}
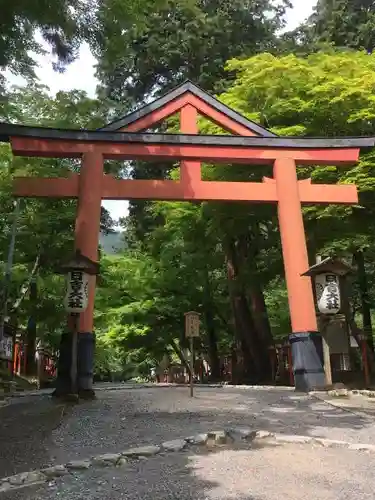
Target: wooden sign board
{"x":6,"y":348}
{"x":192,"y":323}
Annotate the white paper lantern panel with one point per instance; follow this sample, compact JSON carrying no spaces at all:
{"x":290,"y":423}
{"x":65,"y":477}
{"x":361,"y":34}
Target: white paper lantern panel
{"x":328,"y":294}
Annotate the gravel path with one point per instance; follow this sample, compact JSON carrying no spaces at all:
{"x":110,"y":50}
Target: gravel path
{"x":40,"y":433}
{"x":266,"y":473}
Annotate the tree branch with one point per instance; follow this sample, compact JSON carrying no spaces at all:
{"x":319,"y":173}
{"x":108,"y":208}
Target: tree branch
{"x":180,"y":354}
{"x":26,"y":286}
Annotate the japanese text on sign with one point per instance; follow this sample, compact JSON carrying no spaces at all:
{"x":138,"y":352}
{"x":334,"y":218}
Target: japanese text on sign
{"x":192,"y":324}
{"x":6,"y":348}
{"x":328,"y":293}
{"x":77,"y":293}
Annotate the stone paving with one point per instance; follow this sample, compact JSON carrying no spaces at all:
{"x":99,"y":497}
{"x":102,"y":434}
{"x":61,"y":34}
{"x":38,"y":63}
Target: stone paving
{"x":41,"y":433}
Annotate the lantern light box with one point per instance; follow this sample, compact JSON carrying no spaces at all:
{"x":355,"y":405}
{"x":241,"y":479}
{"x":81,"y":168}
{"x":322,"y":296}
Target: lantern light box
{"x":326,"y":277}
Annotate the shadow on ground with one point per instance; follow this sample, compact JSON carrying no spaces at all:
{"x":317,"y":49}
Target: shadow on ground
{"x":262,"y":472}
{"x":164,"y":476}
{"x":39,"y":433}
{"x":25,"y":435}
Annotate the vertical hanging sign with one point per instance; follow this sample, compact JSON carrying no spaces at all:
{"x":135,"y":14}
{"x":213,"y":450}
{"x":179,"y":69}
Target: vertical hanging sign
{"x":76,"y":298}
{"x":6,"y":347}
{"x":192,"y":324}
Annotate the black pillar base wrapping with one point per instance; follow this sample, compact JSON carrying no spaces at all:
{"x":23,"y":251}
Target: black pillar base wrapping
{"x":85,"y":368}
{"x":308,"y":366}
{"x":85,"y":365}
{"x":63,"y":381}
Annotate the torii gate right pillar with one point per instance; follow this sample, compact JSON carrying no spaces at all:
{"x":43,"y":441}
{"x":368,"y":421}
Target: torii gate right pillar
{"x":306,"y":343}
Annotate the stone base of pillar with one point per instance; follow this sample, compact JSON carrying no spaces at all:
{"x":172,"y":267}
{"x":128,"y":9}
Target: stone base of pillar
{"x":85,"y":366}
{"x":307,"y":356}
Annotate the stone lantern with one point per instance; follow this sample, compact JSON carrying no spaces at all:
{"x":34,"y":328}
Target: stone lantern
{"x":328,"y":278}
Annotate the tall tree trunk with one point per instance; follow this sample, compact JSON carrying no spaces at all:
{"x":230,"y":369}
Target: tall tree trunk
{"x":211,"y":329}
{"x":244,"y":322}
{"x":245,"y":355}
{"x":213,"y":352}
{"x":257,"y":313}
{"x":248,"y":251}
{"x":359,"y":259}
{"x":31,"y":366}
{"x":259,"y":308}
{"x":353,"y":327}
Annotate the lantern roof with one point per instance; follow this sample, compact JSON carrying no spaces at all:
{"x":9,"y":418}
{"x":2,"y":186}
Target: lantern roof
{"x":192,"y":312}
{"x":79,"y":262}
{"x":329,"y":265}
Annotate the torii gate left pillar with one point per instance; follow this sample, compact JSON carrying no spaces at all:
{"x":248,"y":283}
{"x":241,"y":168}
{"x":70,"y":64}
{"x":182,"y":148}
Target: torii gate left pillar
{"x":87,"y":228}
{"x":86,"y":240}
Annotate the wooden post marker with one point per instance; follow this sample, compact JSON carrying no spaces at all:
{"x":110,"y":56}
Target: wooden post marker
{"x":192,"y":323}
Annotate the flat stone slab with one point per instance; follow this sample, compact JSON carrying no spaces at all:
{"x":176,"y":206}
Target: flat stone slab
{"x":56,"y":471}
{"x":339,"y":393}
{"x":262,"y":435}
{"x":26,"y":478}
{"x":218,"y":437}
{"x":8,"y":487}
{"x":198,"y":439}
{"x":364,"y":392}
{"x":106,"y":459}
{"x":5,"y":486}
{"x":142,"y":451}
{"x":175,"y":445}
{"x":242,"y":433}
{"x":79,"y":464}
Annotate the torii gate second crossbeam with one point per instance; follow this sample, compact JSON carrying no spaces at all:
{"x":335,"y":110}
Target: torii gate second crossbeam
{"x":91,"y":186}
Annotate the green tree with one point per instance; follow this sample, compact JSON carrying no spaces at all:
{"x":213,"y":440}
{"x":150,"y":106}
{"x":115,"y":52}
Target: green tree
{"x":59,"y":27}
{"x":180,"y":39}
{"x":345,"y":23}
{"x":176,"y":40}
{"x":62,"y":25}
{"x":322,"y":94}
{"x":45,"y":228}
{"x":341,"y":23}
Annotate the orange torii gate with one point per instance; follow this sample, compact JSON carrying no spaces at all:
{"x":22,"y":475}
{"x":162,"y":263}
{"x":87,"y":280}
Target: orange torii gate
{"x":250,"y":144}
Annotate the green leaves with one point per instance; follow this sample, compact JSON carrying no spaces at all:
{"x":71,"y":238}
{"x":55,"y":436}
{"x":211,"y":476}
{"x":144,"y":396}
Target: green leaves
{"x":63,"y":25}
{"x":144,"y":47}
{"x":178,"y":39}
{"x":346,"y":23}
{"x":45,"y":227}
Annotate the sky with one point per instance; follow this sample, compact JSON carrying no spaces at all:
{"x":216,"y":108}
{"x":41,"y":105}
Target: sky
{"x":80,"y":75}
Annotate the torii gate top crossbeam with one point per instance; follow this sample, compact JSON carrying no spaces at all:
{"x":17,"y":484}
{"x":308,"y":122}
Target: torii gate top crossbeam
{"x":47,"y":142}
{"x":8,"y":131}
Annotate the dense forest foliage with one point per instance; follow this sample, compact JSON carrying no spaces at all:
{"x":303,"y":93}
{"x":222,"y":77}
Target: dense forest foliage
{"x":222,"y":260}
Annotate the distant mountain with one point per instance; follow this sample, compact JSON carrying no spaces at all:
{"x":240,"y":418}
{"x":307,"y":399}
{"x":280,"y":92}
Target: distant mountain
{"x":112,"y":243}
